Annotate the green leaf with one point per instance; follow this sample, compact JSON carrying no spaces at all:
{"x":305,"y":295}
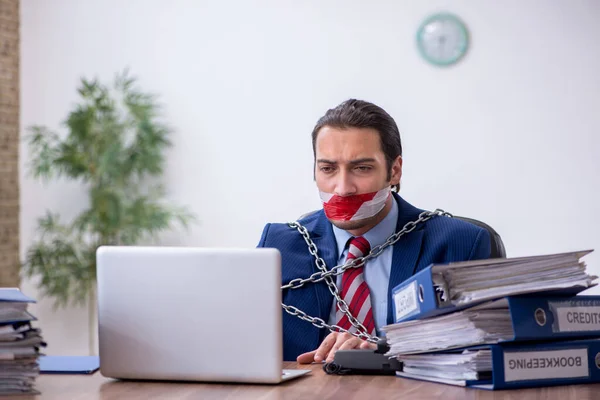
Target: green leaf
{"x":114,"y":146}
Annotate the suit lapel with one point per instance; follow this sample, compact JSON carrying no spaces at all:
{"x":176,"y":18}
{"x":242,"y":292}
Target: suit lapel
{"x":406,"y":250}
{"x":321,"y":233}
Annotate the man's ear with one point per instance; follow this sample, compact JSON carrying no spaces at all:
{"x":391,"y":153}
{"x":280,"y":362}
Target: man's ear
{"x":396,"y":172}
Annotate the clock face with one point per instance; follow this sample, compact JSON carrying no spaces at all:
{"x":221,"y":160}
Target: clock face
{"x":442,"y":39}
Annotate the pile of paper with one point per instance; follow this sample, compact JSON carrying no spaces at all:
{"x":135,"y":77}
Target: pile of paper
{"x":20,"y":344}
{"x":469,"y":365}
{"x":459,"y":323}
{"x":469,"y":282}
{"x":487,"y":323}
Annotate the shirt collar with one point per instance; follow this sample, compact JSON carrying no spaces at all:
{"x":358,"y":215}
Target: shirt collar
{"x":376,"y":236}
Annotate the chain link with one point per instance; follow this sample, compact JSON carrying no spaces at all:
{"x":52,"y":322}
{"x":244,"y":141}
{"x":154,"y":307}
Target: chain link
{"x":319,"y":323}
{"x":327,"y":275}
{"x":320,"y":263}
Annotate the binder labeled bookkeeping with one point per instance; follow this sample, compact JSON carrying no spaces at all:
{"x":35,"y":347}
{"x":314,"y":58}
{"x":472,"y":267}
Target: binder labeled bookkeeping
{"x":509,"y":366}
{"x":444,"y":288}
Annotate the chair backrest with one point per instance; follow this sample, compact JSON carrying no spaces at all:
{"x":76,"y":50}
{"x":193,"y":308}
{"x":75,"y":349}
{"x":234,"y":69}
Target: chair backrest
{"x":496,"y":244}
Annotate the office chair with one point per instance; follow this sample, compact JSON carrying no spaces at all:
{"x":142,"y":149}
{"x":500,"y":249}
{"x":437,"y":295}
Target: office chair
{"x":496,"y":244}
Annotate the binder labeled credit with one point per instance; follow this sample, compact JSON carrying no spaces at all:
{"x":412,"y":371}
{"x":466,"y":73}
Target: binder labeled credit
{"x":578,"y":319}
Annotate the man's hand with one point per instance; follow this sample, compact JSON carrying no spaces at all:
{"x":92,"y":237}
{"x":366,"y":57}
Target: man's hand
{"x":333,"y":342}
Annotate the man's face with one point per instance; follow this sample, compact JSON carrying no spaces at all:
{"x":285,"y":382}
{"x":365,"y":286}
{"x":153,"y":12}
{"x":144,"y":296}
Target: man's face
{"x":349,"y":162}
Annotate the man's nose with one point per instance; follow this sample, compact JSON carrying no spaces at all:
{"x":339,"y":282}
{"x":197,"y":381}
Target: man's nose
{"x":344,"y":185}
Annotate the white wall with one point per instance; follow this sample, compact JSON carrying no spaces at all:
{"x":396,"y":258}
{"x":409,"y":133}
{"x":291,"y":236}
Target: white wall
{"x":509,"y":136}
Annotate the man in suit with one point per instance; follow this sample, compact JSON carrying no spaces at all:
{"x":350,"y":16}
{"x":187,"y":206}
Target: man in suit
{"x":357,"y":169}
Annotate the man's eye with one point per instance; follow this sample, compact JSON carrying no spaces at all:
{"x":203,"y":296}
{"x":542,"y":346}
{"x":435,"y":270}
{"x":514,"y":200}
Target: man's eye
{"x":326,"y":169}
{"x":364,"y":168}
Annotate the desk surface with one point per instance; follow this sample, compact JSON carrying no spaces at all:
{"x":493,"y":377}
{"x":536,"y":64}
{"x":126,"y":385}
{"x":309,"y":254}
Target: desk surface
{"x":317,"y":384}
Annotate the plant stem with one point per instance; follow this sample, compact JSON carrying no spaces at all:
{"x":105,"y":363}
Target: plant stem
{"x":92,"y":312}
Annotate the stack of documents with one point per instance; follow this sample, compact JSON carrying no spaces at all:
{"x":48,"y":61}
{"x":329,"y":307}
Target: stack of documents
{"x":447,"y":287}
{"x":475,"y":281}
{"x":499,"y":323}
{"x":19,"y":344}
{"x":510,"y":319}
{"x":510,"y":365}
{"x":467,"y":365}
{"x":487,"y":323}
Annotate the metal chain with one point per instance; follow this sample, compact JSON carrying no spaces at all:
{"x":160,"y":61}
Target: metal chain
{"x":326,"y":275}
{"x":319,"y":323}
{"x":320,"y":263}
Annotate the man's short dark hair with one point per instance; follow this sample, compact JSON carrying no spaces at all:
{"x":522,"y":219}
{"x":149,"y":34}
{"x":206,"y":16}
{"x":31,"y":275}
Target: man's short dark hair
{"x":362,"y":114}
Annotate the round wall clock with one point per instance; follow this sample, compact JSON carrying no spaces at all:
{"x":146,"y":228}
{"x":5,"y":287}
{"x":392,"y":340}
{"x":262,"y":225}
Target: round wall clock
{"x":442,"y":39}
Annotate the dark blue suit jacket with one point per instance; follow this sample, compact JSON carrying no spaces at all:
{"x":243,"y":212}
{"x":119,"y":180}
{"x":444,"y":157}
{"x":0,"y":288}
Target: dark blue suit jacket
{"x":439,"y":240}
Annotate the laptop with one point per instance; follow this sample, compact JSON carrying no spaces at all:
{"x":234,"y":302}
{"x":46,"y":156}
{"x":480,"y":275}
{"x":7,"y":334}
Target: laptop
{"x":191,"y":314}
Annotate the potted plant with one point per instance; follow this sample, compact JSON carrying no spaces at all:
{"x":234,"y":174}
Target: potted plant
{"x":114,"y":146}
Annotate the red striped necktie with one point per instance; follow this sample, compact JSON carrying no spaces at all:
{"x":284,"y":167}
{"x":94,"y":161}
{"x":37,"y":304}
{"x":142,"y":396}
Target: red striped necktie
{"x":355,"y":290}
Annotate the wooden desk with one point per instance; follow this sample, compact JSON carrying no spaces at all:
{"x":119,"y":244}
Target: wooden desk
{"x":316,"y":385}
